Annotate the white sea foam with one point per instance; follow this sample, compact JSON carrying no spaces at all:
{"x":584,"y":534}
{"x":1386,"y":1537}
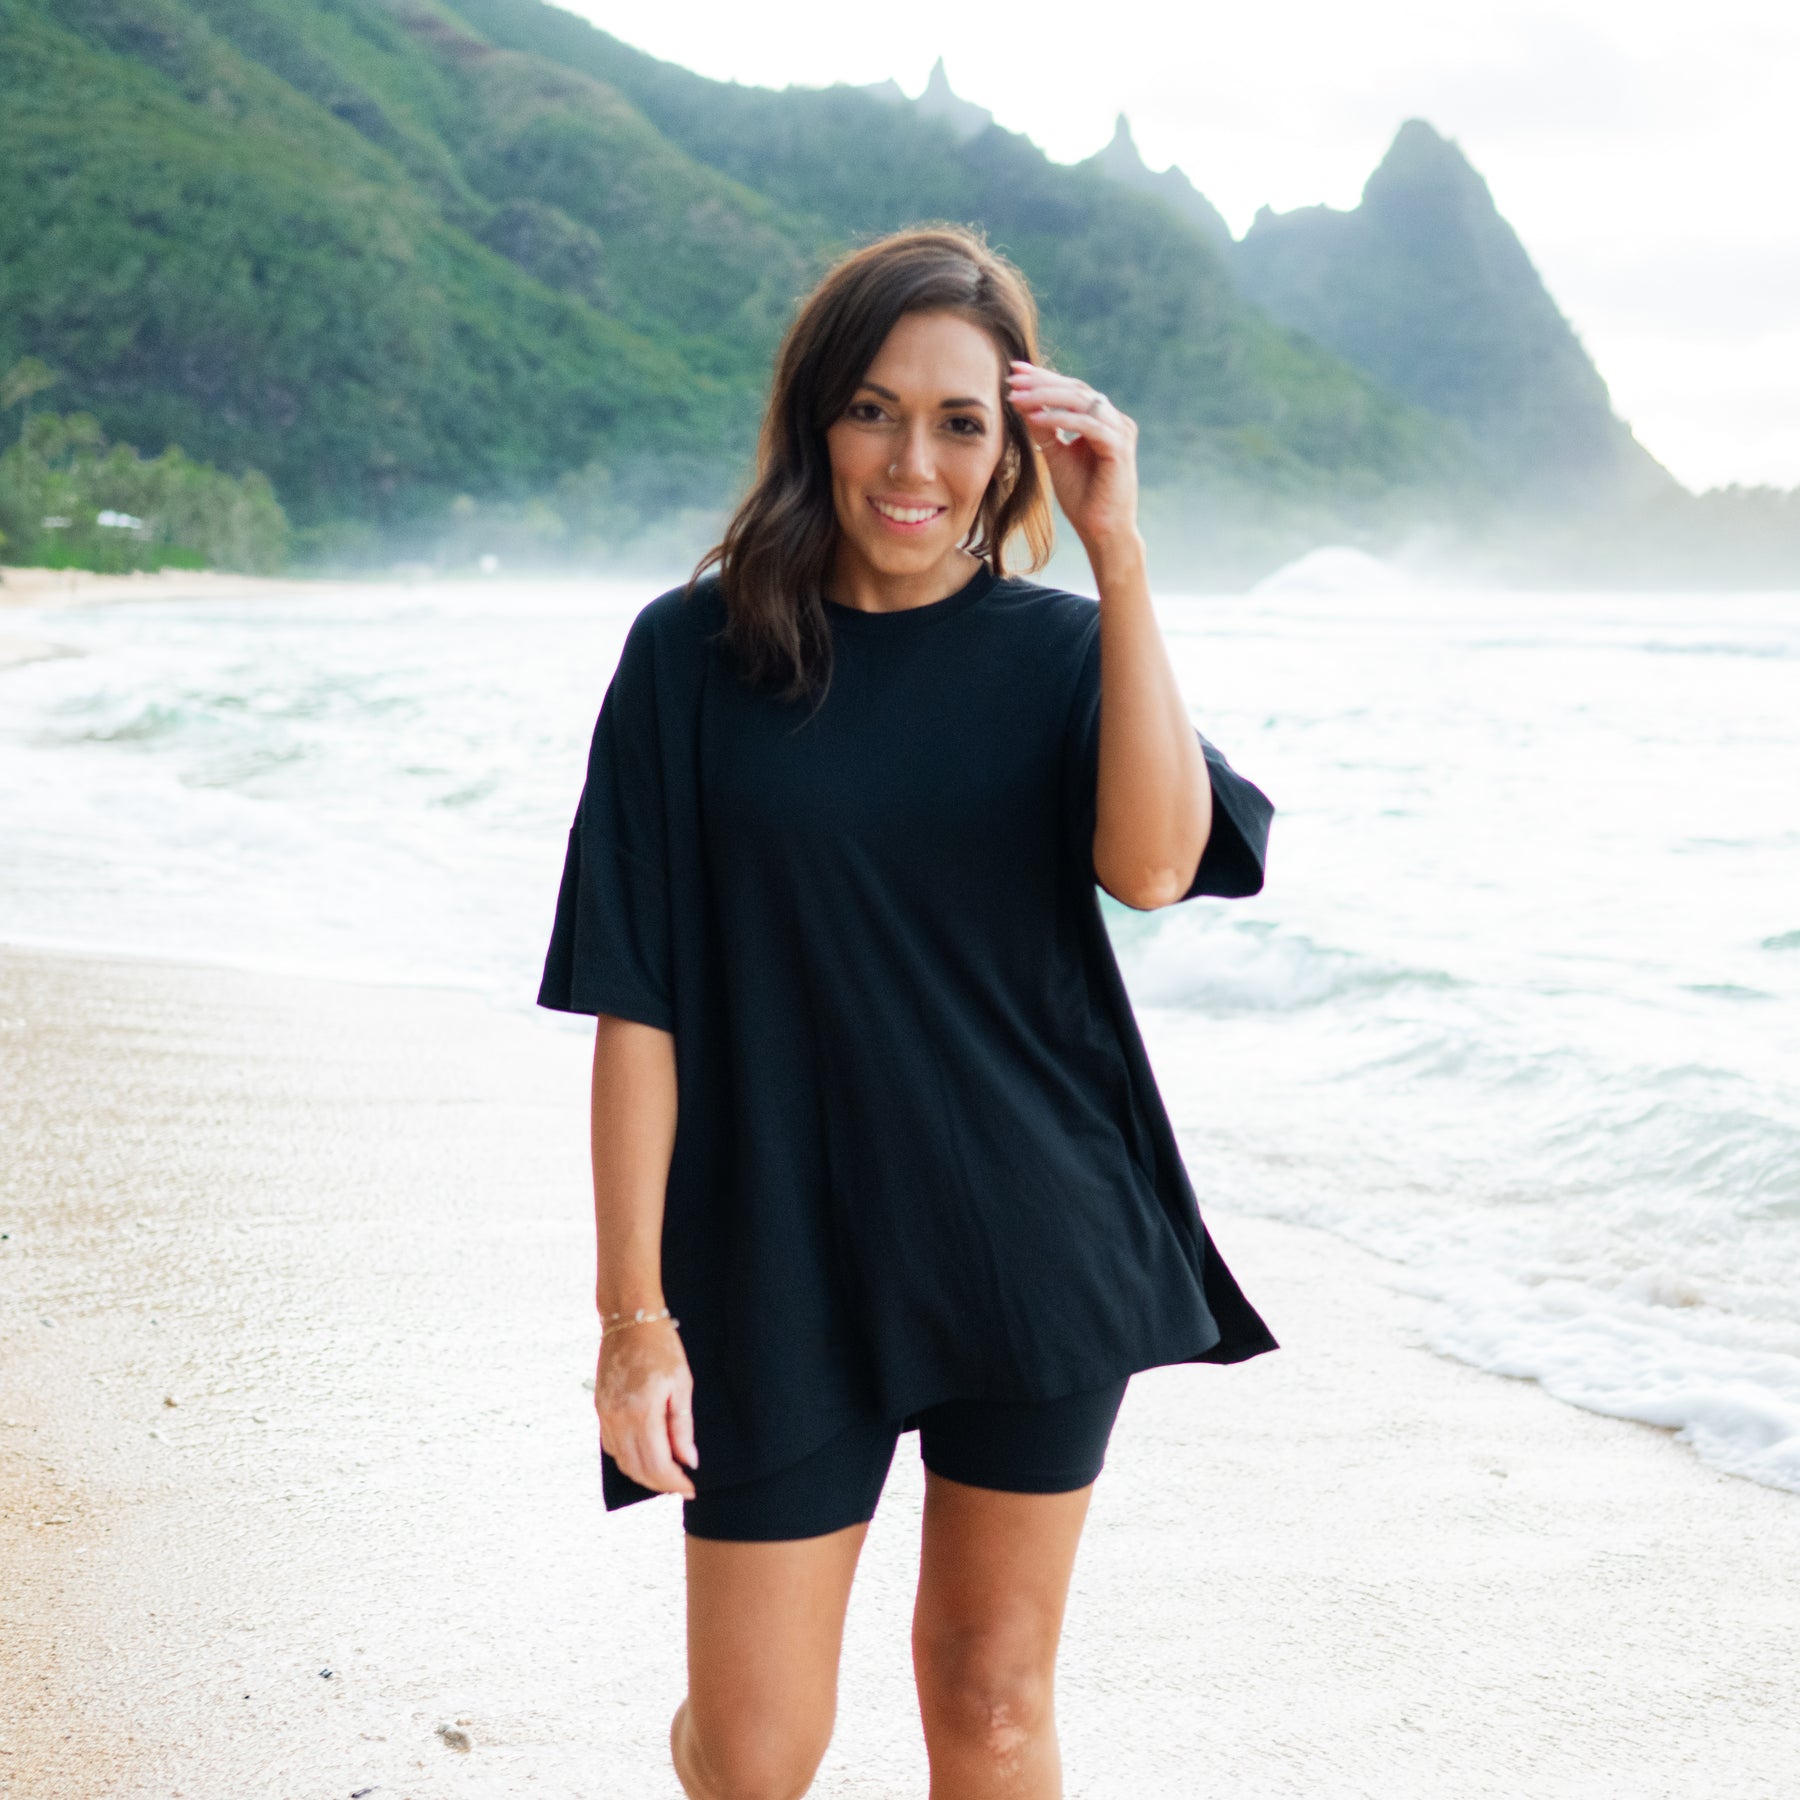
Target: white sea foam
{"x":1648,"y":1358}
{"x":1519,"y":1009}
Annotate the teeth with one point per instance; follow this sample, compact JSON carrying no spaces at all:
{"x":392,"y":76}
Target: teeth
{"x":907,"y":515}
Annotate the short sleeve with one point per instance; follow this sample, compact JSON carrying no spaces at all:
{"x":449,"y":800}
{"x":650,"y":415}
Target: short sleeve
{"x":1237,"y":847}
{"x":1231,"y":865}
{"x":611,"y":945}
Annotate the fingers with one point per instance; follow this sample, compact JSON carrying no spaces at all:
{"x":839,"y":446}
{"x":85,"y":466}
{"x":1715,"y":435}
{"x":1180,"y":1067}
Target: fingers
{"x":1058,"y":409}
{"x":660,"y":1469}
{"x":1028,"y":386}
{"x":644,"y":1445}
{"x":1063,"y":425}
{"x":643,"y":1394}
{"x":1057,"y":428}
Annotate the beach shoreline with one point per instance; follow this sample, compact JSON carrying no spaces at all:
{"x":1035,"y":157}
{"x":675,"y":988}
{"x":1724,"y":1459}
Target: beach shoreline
{"x":86,"y":587}
{"x":343,"y":1230}
{"x":52,"y":590}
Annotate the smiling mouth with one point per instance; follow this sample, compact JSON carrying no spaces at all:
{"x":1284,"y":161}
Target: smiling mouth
{"x":906,"y":515}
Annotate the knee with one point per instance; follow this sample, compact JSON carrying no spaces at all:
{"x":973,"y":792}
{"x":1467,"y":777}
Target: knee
{"x":988,"y":1689}
{"x":744,"y":1758}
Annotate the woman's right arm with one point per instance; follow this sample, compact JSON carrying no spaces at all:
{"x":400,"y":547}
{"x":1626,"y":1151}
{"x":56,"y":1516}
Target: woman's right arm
{"x":643,"y":1390}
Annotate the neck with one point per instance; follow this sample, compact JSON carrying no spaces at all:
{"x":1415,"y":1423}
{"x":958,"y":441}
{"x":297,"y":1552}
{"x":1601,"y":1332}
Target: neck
{"x":855,"y":582}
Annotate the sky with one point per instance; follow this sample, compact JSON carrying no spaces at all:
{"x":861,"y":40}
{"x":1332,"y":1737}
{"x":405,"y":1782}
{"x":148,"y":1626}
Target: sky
{"x":1647,"y":153}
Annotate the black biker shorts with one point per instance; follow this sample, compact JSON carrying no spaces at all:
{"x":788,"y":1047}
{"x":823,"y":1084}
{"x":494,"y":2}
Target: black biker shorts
{"x":1015,"y":1446}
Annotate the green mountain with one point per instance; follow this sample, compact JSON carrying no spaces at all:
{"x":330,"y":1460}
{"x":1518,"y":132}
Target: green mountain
{"x":1426,"y":288}
{"x":940,"y":101}
{"x":1135,"y":299}
{"x":1124,"y":162}
{"x":394,"y":251}
{"x":310,"y":239}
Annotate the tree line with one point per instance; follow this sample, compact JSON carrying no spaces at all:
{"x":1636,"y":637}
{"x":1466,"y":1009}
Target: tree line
{"x":71,"y":500}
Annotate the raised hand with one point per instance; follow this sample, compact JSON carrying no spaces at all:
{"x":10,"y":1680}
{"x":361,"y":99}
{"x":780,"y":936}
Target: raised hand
{"x":1090,"y":448}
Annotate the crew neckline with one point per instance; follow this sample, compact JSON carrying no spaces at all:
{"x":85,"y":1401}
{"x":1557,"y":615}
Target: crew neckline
{"x":909,"y":617}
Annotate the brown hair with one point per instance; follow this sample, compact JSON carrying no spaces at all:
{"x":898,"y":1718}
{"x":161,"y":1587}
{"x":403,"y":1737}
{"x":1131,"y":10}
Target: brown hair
{"x":776,"y":555}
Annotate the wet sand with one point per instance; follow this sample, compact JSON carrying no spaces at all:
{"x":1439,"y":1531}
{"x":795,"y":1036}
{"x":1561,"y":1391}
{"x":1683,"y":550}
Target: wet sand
{"x":345,"y":1231}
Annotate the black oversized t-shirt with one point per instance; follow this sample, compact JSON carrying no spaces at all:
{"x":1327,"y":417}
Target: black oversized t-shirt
{"x":919,"y":1152}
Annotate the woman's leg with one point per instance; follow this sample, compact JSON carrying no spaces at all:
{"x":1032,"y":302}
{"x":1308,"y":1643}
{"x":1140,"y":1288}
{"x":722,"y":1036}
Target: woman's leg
{"x":769,"y":1567}
{"x":993,"y":1581}
{"x":765,"y":1626}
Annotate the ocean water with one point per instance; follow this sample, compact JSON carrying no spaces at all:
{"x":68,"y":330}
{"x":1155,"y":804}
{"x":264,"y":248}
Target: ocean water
{"x":1519,"y":1009}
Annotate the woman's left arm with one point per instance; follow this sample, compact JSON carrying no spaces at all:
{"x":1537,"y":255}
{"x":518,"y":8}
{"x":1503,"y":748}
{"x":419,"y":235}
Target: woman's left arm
{"x":1153,"y":805}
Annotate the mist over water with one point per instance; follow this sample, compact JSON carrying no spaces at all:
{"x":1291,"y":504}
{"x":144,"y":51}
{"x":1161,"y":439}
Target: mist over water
{"x":1517,"y":1009}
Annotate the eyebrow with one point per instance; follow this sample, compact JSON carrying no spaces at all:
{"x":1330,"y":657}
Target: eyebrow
{"x":966,"y":400}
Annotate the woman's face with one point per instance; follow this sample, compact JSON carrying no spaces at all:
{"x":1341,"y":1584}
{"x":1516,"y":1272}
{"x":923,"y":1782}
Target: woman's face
{"x":916,"y":447}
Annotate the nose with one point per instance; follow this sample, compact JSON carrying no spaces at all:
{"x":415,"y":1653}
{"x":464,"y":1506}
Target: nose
{"x":913,"y":465}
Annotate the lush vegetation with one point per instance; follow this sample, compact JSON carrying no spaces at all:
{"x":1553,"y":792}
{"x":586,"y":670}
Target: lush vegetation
{"x":471,"y":277}
{"x":1137,"y":298}
{"x":68,"y":499}
{"x":216,"y":259}
{"x":394,"y":256}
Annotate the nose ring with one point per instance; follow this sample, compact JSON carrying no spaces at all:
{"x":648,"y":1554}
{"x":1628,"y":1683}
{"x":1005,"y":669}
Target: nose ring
{"x":893,"y":471}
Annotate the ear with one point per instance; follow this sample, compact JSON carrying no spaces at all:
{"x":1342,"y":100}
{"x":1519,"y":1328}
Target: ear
{"x":999,"y":489}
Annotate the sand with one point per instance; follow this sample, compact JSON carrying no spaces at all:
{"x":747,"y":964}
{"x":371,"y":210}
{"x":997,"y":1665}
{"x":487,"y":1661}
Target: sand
{"x":83,"y":587}
{"x":344,"y":1230}
{"x":52,"y":589}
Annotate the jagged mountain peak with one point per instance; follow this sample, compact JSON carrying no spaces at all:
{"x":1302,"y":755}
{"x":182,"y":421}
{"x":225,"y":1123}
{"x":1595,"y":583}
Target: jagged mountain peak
{"x":1426,"y":287}
{"x":1419,"y":144}
{"x":1121,"y":149}
{"x":1420,"y":160}
{"x":941,"y":101}
{"x":596,"y":252}
{"x":1121,"y":161}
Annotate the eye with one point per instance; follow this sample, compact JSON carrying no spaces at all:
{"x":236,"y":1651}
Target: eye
{"x":863,"y":412}
{"x":966,"y":425}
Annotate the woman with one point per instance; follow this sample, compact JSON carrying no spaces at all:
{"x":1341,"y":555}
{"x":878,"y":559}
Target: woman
{"x":832,"y":884}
